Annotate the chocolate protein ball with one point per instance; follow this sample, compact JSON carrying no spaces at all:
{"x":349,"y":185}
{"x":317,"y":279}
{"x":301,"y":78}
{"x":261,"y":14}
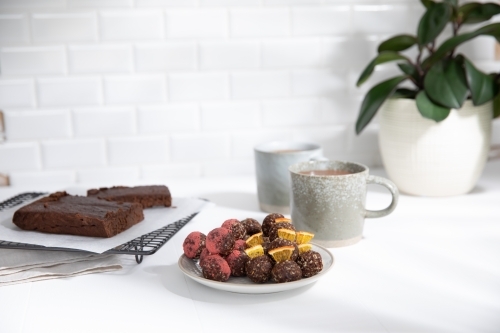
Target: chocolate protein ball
{"x":286,"y":271}
{"x":259,"y":269}
{"x":214,"y":267}
{"x":265,"y":244}
{"x":252,"y":226}
{"x":310,"y":263}
{"x":280,"y":242}
{"x":235,"y":226}
{"x":193,"y":244}
{"x":273,"y":231}
{"x":220,"y":241}
{"x":237,"y":261}
{"x":269,"y":220}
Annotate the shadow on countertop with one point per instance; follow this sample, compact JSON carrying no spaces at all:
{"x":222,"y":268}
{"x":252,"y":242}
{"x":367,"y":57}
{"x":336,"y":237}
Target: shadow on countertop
{"x":175,"y":282}
{"x":236,"y":200}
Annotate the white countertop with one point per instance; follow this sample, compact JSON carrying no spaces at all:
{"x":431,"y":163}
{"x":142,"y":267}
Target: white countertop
{"x":431,"y":266}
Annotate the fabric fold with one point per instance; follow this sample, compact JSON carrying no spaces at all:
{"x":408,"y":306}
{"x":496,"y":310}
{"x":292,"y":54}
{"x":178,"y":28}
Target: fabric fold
{"x":30,"y":266}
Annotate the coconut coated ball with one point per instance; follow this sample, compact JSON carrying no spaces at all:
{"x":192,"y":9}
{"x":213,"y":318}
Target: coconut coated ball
{"x":252,"y":226}
{"x":273,"y":231}
{"x":259,"y":269}
{"x":310,"y":263}
{"x":214,"y":267}
{"x":286,"y":271}
{"x":269,"y":220}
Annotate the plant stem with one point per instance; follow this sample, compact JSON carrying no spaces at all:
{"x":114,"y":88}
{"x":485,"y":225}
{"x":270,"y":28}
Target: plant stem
{"x":455,"y":28}
{"x":414,"y":82}
{"x":455,"y":31}
{"x":418,"y":66}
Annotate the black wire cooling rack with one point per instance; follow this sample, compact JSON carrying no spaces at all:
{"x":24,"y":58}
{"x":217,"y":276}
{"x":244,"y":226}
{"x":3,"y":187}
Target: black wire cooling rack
{"x":144,"y":245}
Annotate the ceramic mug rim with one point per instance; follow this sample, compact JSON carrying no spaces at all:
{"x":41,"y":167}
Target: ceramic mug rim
{"x":301,"y":147}
{"x":363,"y":168}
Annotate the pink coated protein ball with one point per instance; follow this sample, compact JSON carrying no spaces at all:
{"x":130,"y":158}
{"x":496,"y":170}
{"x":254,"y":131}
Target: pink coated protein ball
{"x":214,"y":267}
{"x":204,"y":253}
{"x":220,"y":241}
{"x":240,"y":245}
{"x":239,"y":231}
{"x":193,"y":244}
{"x":236,"y":261}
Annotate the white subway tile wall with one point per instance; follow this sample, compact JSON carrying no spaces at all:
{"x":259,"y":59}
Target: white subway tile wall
{"x":100,"y":59}
{"x":37,"y":124}
{"x":127,"y":25}
{"x":98,"y":121}
{"x":128,"y":150}
{"x":67,"y":27}
{"x":229,"y":54}
{"x":69,"y":91}
{"x":135,"y":89}
{"x":168,"y":118}
{"x":170,"y":56}
{"x":32,"y":60}
{"x":73,"y":153}
{"x":14,"y":29}
{"x":197,"y":23}
{"x":17,"y":93}
{"x":15,"y":156}
{"x":119,"y":91}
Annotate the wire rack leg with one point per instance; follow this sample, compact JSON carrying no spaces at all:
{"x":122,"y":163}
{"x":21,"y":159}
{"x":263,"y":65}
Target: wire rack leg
{"x":139,"y":257}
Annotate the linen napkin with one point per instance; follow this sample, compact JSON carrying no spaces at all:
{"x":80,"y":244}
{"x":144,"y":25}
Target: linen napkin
{"x":20,"y":266}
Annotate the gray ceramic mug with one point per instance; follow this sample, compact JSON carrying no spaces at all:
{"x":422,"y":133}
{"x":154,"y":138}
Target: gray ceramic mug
{"x":330,"y":202}
{"x":272,"y":160}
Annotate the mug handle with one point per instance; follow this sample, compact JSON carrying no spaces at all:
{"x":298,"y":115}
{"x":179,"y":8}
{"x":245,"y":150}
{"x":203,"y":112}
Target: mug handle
{"x":394,"y":192}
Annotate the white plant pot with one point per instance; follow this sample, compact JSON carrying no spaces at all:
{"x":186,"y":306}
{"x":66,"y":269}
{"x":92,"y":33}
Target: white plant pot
{"x":434,"y":159}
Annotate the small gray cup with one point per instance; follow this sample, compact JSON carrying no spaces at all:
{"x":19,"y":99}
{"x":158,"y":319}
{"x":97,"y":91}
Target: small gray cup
{"x":272,"y":160}
{"x":330,"y":202}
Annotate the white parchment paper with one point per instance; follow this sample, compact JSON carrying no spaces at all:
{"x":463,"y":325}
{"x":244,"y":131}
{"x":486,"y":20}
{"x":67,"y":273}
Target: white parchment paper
{"x":154,"y":218}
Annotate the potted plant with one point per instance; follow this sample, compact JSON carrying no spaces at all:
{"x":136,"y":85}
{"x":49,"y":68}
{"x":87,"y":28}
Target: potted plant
{"x":435,"y":136}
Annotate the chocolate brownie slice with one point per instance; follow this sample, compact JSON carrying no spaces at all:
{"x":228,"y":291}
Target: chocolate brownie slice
{"x":147,"y":196}
{"x":61,"y":213}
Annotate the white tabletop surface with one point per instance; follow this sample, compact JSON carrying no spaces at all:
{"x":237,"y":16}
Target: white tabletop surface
{"x":431,"y":266}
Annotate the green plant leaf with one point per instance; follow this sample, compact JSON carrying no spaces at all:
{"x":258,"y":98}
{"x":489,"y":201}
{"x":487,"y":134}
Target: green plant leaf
{"x":374,"y":98}
{"x":452,"y":2}
{"x":381,"y":58}
{"x":445,"y":84}
{"x":404,"y":93}
{"x":496,"y":106}
{"x":433,"y":22}
{"x":428,"y":109}
{"x":453,"y":42}
{"x":398,"y":43}
{"x":427,"y":3}
{"x":410,"y":70}
{"x":482,"y":86}
{"x":465,"y":9}
{"x":478,"y":12}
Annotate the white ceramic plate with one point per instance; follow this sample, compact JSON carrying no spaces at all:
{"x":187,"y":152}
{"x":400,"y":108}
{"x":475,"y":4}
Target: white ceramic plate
{"x":244,"y":285}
